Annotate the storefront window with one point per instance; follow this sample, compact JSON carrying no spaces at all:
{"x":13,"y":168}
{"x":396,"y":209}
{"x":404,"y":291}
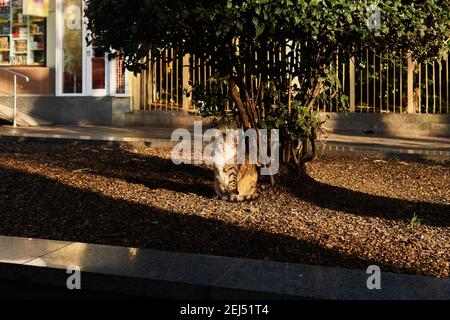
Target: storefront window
{"x":120,"y":77}
{"x":73,"y":47}
{"x":22,"y":37}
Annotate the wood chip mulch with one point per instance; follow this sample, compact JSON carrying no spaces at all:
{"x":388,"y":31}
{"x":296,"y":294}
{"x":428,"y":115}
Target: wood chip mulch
{"x":348,"y":211}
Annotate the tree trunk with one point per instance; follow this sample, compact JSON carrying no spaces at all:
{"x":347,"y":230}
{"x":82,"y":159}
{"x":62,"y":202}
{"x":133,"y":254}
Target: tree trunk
{"x":235,"y":95}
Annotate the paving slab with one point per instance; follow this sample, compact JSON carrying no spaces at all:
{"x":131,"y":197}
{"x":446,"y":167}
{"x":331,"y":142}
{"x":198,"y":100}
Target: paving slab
{"x":436,"y":143}
{"x":161,"y":138}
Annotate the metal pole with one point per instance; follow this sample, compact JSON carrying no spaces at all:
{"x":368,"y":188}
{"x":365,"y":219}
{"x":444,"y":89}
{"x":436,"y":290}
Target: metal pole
{"x":15,"y":102}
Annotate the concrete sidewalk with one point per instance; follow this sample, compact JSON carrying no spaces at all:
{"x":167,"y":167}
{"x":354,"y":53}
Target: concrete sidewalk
{"x":160,"y":137}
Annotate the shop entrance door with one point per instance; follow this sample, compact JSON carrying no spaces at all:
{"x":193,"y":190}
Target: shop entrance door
{"x":98,"y":72}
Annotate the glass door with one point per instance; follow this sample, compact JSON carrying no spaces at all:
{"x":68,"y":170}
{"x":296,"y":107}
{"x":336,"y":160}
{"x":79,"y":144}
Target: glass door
{"x":81,"y":70}
{"x":98,"y":72}
{"x":70,"y":46}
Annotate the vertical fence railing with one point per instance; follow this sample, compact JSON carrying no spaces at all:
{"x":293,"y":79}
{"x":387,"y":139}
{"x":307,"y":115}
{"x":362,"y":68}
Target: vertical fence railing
{"x":160,"y":87}
{"x":374,"y":84}
{"x":432,"y":86}
{"x":380,"y":84}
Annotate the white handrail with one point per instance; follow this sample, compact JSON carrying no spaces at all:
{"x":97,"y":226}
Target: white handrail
{"x":15,"y":74}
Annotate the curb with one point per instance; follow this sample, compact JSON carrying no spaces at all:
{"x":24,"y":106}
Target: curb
{"x":329,"y":147}
{"x":172,"y":275}
{"x":151,"y":142}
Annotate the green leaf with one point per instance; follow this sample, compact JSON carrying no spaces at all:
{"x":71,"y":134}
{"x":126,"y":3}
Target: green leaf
{"x":260,"y":29}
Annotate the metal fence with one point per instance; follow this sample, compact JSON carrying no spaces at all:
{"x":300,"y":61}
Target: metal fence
{"x":167,"y":82}
{"x":372,"y":83}
{"x":398,"y":87}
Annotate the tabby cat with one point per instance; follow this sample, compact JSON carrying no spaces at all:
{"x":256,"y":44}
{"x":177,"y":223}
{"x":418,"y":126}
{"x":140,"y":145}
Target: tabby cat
{"x":233,"y":182}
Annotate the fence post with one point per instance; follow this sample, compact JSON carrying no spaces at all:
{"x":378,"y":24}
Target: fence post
{"x":186,"y":94}
{"x":352,"y":84}
{"x":136,"y":87}
{"x":151,"y":84}
{"x":410,"y":107}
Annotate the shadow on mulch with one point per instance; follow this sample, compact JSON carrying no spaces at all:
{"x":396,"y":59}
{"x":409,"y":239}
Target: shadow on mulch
{"x":357,"y":203}
{"x":198,"y":180}
{"x":183,"y":178}
{"x":40,"y":207}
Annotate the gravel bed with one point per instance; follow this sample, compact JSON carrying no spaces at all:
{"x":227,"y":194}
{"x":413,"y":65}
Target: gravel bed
{"x":348,"y":211}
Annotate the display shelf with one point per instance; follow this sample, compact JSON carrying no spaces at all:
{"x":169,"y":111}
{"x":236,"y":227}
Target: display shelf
{"x":24,"y":37}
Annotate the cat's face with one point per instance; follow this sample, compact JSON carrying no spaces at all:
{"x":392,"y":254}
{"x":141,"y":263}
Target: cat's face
{"x":224,"y":153}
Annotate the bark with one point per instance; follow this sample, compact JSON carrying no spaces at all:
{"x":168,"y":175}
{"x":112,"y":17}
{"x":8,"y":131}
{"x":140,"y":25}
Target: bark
{"x":314,"y":96}
{"x":260,"y":100}
{"x":235,"y":95}
{"x":249,"y":106}
{"x":299,"y":155}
